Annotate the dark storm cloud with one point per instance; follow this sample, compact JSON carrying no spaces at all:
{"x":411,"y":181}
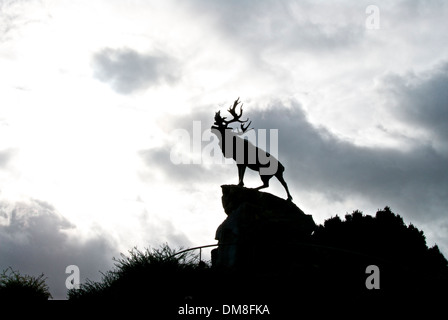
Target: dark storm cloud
{"x":422,"y":100}
{"x":414,"y":181}
{"x":189,"y":174}
{"x":127,"y":70}
{"x":32,"y":241}
{"x":160,"y":158}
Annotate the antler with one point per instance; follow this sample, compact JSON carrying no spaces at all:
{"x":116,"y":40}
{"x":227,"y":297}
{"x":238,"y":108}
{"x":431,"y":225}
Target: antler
{"x":219,"y":121}
{"x":244,"y":128}
{"x":236,"y":117}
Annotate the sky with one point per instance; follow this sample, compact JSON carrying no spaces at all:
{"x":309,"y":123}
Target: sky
{"x":95,"y":93}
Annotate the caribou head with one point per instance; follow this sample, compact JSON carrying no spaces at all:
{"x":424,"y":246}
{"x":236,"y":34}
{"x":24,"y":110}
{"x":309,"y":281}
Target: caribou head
{"x":222,"y":124}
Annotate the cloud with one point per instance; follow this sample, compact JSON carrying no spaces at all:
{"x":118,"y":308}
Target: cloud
{"x":10,"y":19}
{"x":128,"y":71}
{"x":190,"y":174}
{"x":158,"y":229}
{"x":160,"y":158}
{"x":413,"y":181}
{"x":34,"y":239}
{"x":286,"y":25}
{"x":183,"y":138}
{"x":6,"y":156}
{"x":317,"y":160}
{"x":421,"y":100}
{"x":17,"y":14}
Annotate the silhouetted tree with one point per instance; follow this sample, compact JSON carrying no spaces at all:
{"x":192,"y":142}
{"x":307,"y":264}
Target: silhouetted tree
{"x":384,"y":236}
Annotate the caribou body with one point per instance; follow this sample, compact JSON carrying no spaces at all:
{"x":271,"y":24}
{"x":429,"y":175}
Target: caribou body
{"x":244,"y":152}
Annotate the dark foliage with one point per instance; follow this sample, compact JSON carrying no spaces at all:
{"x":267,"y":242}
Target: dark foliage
{"x":329,"y":268}
{"x":149,"y":275}
{"x":385,"y":237}
{"x":17,"y":287}
{"x":410,"y":271}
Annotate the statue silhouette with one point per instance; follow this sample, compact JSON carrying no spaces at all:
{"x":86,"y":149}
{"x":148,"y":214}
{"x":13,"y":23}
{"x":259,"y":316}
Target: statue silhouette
{"x":245,"y":153}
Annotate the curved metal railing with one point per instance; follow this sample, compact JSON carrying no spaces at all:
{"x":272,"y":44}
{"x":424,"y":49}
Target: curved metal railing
{"x":306,"y":244}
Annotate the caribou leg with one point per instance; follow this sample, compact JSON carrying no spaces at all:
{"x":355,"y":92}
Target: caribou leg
{"x":279,"y":176}
{"x":241,"y":170}
{"x":265,"y":179}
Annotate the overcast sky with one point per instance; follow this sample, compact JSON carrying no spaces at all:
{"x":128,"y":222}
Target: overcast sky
{"x":94,"y":93}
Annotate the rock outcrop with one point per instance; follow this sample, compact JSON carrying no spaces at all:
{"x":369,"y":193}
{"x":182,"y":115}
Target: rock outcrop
{"x":257,"y":225}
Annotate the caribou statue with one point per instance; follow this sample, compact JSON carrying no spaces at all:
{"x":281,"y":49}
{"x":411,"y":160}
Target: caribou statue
{"x":244,"y":152}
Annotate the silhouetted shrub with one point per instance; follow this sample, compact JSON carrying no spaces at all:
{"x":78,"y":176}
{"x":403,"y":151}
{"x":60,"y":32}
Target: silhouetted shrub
{"x":150,"y":274}
{"x":17,"y":287}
